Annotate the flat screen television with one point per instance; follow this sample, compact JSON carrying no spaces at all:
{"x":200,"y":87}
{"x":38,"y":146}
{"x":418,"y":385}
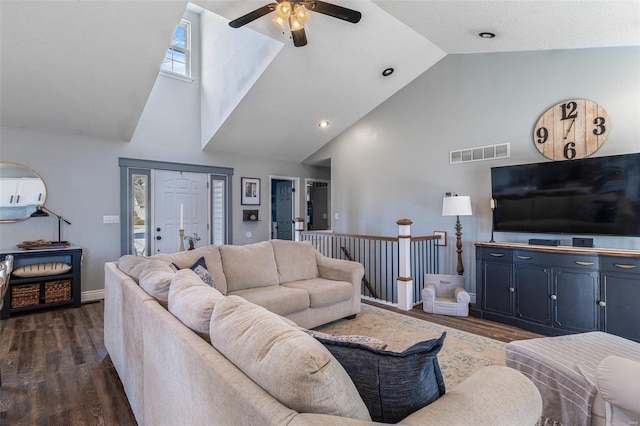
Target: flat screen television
{"x":591,"y":196}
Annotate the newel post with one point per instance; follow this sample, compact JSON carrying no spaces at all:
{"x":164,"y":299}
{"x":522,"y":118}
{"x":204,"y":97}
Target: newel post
{"x":299,"y":228}
{"x":405,"y":281}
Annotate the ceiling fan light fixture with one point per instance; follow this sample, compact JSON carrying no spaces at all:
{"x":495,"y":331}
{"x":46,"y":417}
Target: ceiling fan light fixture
{"x":302,"y":14}
{"x":278,"y":21}
{"x":294,"y":23}
{"x":283,"y":10}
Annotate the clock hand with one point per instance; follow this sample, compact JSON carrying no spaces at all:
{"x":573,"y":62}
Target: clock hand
{"x":569,"y":129}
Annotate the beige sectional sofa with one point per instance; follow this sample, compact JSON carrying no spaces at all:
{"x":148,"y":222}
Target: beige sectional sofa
{"x":188,"y":353}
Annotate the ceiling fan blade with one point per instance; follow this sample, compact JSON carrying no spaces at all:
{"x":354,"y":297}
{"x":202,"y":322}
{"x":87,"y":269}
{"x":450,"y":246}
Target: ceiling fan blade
{"x":335,"y":11}
{"x":252,"y":16}
{"x":299,"y":37}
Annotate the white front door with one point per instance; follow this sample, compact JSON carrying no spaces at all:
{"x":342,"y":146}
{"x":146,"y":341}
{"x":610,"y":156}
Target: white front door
{"x":173,"y":192}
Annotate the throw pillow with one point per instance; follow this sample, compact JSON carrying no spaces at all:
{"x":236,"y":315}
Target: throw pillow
{"x":372,"y":342}
{"x":200,"y":268}
{"x":392,"y":384}
{"x":42,"y":269}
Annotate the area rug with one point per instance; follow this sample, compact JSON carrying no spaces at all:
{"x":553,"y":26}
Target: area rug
{"x":462,"y":354}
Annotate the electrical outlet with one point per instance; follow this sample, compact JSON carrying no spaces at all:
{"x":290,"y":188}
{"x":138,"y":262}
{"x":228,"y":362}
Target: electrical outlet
{"x":111,"y":219}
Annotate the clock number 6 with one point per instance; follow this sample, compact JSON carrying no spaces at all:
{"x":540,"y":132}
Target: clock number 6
{"x":569,"y":110}
{"x":600,"y":127}
{"x":570,"y":151}
{"x":543,"y":134}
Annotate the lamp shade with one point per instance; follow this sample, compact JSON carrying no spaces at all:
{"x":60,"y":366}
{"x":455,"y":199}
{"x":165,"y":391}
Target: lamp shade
{"x":456,"y":206}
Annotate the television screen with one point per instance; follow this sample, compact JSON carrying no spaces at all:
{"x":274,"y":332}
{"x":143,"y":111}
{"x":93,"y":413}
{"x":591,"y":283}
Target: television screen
{"x":592,"y":196}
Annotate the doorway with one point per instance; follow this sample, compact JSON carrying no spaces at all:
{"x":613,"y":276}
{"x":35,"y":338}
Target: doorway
{"x":285,"y":201}
{"x":318,"y":196}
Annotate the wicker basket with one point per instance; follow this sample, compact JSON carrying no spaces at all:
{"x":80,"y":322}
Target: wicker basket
{"x":57,"y":291}
{"x":25,"y":295}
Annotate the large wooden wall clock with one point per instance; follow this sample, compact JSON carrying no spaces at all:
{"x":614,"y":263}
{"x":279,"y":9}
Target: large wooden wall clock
{"x":571,"y":129}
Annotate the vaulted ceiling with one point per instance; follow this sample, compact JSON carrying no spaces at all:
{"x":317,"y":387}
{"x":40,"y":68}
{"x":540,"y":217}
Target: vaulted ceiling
{"x":87,"y":67}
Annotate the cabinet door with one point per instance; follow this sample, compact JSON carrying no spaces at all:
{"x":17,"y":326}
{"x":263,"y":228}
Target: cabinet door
{"x":533,"y":291}
{"x":8,"y":191}
{"x":30,"y":192}
{"x":575,"y":299}
{"x":497,"y":282}
{"x":622,"y":302}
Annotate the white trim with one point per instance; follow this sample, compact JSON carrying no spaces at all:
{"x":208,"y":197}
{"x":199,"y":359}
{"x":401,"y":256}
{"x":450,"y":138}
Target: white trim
{"x":180,"y":77}
{"x":92,"y":295}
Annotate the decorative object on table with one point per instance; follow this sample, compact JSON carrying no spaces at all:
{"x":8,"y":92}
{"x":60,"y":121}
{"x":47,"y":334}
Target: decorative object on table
{"x":457,"y":206}
{"x":492,"y":204}
{"x":250,"y":191}
{"x":571,"y":129}
{"x":192,"y":240}
{"x":42,"y":244}
{"x":41,"y":211}
{"x":442,"y":242}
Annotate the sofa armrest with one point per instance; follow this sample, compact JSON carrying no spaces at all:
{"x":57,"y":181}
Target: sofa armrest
{"x":617,"y":381}
{"x":429,"y":292}
{"x":461,"y":295}
{"x":495,"y":395}
{"x":340,"y":270}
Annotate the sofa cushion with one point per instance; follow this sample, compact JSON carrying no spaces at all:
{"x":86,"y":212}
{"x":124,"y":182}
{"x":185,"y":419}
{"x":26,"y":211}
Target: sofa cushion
{"x":249,"y":266}
{"x":192,"y":301}
{"x":323,"y":292}
{"x":278,"y":299}
{"x":153,"y":275}
{"x":211,"y":254}
{"x":296,"y":260}
{"x":392,"y":384}
{"x":292,"y":366}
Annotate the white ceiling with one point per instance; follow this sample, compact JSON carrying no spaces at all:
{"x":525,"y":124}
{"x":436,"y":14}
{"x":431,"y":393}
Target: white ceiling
{"x":87,"y":66}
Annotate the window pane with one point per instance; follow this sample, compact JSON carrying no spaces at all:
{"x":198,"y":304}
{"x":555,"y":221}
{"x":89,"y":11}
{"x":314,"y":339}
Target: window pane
{"x":140,"y":202}
{"x":217,"y":211}
{"x":176,"y":59}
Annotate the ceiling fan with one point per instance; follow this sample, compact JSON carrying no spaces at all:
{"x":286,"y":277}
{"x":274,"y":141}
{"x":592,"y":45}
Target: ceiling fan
{"x":296,"y":12}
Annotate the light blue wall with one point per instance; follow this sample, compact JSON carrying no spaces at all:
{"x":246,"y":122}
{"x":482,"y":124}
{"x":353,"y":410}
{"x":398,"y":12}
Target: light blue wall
{"x":394,"y":163}
{"x":83,"y":181}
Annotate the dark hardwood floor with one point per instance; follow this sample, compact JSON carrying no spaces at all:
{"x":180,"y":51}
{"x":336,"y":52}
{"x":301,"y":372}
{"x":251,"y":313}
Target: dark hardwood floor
{"x":56,"y":370}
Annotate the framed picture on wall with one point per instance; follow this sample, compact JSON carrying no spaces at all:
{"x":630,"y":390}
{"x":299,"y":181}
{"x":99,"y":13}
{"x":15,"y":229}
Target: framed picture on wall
{"x":250,"y":191}
{"x":443,"y":238}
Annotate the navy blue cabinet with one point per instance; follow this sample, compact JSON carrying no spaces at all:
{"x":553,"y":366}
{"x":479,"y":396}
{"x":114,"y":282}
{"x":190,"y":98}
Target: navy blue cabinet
{"x":559,"y":290}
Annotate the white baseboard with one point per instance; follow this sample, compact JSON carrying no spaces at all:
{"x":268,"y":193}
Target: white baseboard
{"x":92,"y":296}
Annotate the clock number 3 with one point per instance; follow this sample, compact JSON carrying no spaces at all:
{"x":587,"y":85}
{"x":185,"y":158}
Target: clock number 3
{"x":600,"y":127}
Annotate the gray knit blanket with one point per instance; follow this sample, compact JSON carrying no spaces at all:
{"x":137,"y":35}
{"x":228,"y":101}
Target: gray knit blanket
{"x":564,"y":370}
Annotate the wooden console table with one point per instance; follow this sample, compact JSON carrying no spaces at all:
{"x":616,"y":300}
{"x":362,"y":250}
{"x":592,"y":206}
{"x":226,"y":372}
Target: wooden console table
{"x":37,"y":292}
{"x":559,"y":290}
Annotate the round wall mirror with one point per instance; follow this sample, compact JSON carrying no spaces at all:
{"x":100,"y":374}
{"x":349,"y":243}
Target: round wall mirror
{"x":21,"y":191}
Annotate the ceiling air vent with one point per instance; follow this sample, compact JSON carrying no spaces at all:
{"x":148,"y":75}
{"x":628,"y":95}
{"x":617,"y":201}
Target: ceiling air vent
{"x":480,"y":153}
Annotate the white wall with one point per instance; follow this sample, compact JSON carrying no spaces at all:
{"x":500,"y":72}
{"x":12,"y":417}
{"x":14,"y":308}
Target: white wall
{"x":402,"y":147}
{"x":83,"y":181}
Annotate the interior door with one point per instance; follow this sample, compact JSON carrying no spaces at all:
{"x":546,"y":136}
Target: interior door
{"x":284,"y":209}
{"x":175,"y":192}
{"x":319,"y":202}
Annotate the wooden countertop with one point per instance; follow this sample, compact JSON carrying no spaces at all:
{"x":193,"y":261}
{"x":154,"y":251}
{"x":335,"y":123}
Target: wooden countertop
{"x":564,"y":249}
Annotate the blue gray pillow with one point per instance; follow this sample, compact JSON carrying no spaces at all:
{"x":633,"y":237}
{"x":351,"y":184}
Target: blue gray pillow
{"x":200,"y":268}
{"x":392,"y":384}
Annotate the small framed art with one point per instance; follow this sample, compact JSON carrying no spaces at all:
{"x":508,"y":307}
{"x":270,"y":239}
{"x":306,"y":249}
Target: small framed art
{"x":443,"y":238}
{"x":250,"y":191}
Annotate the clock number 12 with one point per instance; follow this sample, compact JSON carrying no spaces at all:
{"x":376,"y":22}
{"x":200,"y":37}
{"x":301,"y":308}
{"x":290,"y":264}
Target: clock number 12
{"x":569,"y":111}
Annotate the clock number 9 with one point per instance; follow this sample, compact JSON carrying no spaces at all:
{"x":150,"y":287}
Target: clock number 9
{"x":600,"y":127}
{"x":543,"y":134}
{"x":570,"y":151}
{"x":569,"y":111}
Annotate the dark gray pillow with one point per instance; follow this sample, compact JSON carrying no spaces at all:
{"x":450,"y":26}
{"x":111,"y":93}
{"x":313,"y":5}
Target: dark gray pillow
{"x":392,"y":384}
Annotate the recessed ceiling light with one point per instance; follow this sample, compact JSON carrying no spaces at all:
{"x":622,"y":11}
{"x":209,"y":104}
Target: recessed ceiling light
{"x":487,"y":35}
{"x":323,"y":124}
{"x":387,"y":72}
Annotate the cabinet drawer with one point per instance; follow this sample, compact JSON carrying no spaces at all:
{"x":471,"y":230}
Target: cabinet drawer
{"x":490,"y":253}
{"x":620,"y":264}
{"x":579,"y":261}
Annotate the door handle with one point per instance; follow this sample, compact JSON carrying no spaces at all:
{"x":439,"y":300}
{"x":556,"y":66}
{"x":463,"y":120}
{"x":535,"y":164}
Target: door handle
{"x":158,"y":229}
{"x":158,"y":237}
{"x":497,"y":254}
{"x":584,"y":263}
{"x":554,"y":297}
{"x":524,"y":257}
{"x":602,"y":303}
